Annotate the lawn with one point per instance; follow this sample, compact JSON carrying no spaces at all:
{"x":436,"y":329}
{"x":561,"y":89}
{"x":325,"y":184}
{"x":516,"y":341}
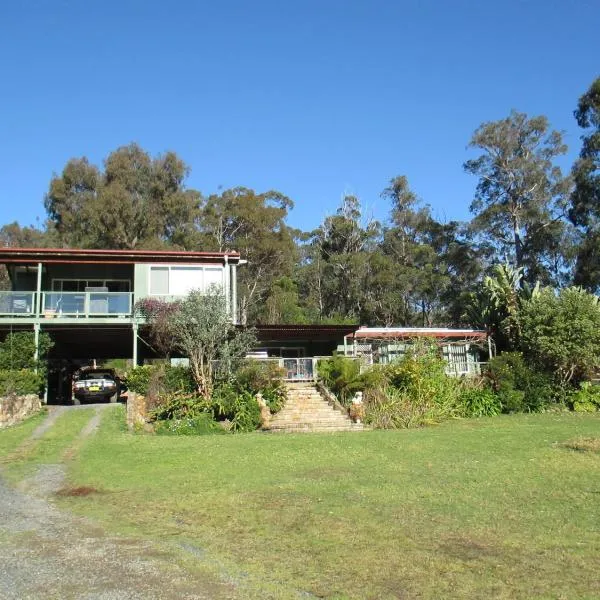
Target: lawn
{"x":490,"y":508}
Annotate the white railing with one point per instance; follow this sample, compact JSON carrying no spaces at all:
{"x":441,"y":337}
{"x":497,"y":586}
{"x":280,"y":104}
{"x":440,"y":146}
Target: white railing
{"x":17,"y":304}
{"x":86,"y":304}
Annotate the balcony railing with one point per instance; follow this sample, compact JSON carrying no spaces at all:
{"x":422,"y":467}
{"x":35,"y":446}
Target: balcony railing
{"x":66,"y":304}
{"x":86,"y":304}
{"x":17,"y":304}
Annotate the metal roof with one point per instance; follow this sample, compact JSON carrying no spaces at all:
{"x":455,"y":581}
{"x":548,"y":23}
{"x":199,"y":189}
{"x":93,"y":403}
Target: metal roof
{"x":92,"y":256}
{"x":386,"y":333}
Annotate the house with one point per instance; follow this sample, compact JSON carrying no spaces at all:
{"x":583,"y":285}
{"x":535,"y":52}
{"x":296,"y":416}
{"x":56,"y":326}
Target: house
{"x":85,"y":299}
{"x":462,"y":349}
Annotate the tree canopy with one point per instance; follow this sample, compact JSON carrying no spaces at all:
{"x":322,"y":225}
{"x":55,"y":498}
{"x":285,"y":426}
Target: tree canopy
{"x":407,"y":268}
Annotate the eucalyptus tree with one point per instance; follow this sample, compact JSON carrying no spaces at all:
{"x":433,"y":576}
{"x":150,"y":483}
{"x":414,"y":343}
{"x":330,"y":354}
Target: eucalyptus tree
{"x":585,"y":200}
{"x":255,"y":225}
{"x":521,"y":196}
{"x":135,"y":202}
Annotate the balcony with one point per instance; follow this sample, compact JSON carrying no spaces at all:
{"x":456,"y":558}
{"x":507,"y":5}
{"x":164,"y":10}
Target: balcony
{"x":17,"y":304}
{"x":56,"y":305}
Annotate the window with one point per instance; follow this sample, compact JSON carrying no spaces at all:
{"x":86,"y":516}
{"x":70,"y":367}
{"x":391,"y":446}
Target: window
{"x":185,"y":279}
{"x":159,"y":281}
{"x":80,"y":285}
{"x":180,"y":281}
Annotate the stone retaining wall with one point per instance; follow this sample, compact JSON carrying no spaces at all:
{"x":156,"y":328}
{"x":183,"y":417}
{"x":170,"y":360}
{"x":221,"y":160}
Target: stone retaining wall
{"x":14,"y":409}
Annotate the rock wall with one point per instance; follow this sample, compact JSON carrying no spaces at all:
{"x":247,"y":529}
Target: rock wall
{"x":137,"y":412}
{"x":14,"y":409}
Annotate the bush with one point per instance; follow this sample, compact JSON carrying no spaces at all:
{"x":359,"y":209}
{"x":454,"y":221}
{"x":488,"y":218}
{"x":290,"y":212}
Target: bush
{"x":138,"y":379}
{"x":265,"y":378}
{"x":479,"y":402}
{"x":201,"y":424}
{"x":562,"y":332}
{"x":586,"y":399}
{"x":17,"y":352}
{"x":166,"y":379}
{"x":178,"y":406}
{"x":239,"y":408}
{"x":341,"y":376}
{"x":412,"y":391}
{"x":519,"y":387}
{"x":20,"y":382}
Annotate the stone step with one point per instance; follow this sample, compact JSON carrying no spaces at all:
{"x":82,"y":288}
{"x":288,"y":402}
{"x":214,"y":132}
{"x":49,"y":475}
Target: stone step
{"x":305,"y":410}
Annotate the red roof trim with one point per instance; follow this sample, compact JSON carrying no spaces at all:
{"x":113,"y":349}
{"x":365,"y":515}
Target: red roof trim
{"x":55,"y":255}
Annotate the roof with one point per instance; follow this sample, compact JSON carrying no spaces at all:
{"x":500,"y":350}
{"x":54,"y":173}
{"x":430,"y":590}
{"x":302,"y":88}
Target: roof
{"x":395,"y":333}
{"x":79,"y":255}
{"x":303,"y":332}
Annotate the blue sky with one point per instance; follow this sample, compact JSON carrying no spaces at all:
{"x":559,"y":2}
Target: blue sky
{"x":313,"y":98}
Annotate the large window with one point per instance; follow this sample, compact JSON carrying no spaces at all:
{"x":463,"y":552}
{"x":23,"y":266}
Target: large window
{"x":179,"y":281}
{"x":80,"y":285}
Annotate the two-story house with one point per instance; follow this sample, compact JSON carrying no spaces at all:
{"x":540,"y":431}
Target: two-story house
{"x":85,"y":298}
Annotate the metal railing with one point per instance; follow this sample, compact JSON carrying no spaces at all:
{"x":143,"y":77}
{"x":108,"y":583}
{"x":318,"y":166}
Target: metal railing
{"x":86,"y":304}
{"x":17,"y":304}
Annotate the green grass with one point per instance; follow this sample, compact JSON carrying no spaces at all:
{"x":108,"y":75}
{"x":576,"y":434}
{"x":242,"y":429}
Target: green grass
{"x":14,"y":436}
{"x":490,"y":508}
{"x":49,"y":449}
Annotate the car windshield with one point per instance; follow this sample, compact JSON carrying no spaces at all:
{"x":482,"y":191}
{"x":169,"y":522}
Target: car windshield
{"x":95,"y":375}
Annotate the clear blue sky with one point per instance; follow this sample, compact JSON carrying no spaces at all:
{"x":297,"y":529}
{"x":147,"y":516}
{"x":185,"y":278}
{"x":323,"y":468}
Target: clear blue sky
{"x":313,"y":98}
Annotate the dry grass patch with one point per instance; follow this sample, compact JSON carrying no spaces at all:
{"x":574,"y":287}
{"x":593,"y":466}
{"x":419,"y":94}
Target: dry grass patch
{"x":583,"y":444}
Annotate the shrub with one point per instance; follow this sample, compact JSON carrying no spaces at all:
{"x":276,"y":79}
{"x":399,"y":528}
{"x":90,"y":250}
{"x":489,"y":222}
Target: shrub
{"x":265,"y":377}
{"x":178,"y":406}
{"x":586,"y":399}
{"x":20,"y":382}
{"x":479,"y":402}
{"x":417,"y":392}
{"x":519,"y":387}
{"x":17,"y":351}
{"x":166,"y":379}
{"x":342,"y":376}
{"x":239,"y":408}
{"x":138,"y":379}
{"x":562,"y":332}
{"x":201,"y":424}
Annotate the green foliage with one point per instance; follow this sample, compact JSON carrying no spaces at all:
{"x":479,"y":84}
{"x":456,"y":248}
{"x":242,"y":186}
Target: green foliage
{"x":266,"y":378}
{"x":20,"y":382}
{"x":136,"y":202}
{"x":418,"y":392}
{"x":138,"y":379}
{"x":586,"y":398}
{"x":239,"y":408}
{"x":341,"y":376}
{"x":199,"y":424}
{"x":562,"y":332}
{"x":17,"y":351}
{"x":519,"y":387}
{"x":479,"y":402}
{"x":178,"y":406}
{"x":585,"y":200}
{"x":521,"y":193}
{"x":202,"y":330}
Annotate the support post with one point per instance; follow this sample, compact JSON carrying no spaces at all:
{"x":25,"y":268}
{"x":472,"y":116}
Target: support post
{"x":234,"y":307}
{"x":135,"y":344}
{"x":226,"y":290}
{"x":38,"y":291}
{"x":489,"y":340}
{"x":36,"y":353}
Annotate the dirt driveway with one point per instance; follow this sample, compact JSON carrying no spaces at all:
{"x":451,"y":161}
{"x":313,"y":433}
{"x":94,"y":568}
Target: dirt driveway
{"x":49,"y":554}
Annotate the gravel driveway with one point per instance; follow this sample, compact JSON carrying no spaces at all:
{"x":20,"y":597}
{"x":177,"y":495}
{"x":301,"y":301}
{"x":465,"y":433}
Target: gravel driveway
{"x":49,"y":554}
